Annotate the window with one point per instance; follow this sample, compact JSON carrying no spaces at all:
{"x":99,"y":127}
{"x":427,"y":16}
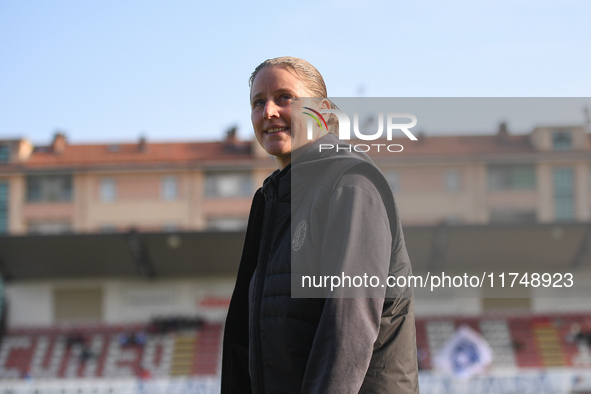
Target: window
{"x":227,"y":224}
{"x":170,"y":227}
{"x":169,"y":188}
{"x":511,"y":177}
{"x":107,"y":228}
{"x":3,"y":207}
{"x":452,"y":181}
{"x":393,"y":179}
{"x":108,"y":191}
{"x":46,"y":228}
{"x":513,"y":216}
{"x":47,"y":188}
{"x":562,"y":139}
{"x":4,"y":153}
{"x":77,"y":304}
{"x":452,"y":220}
{"x":228,"y":184}
{"x":564,"y":207}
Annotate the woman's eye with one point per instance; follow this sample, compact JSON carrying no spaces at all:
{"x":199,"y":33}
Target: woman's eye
{"x":286,"y":97}
{"x":257,"y":103}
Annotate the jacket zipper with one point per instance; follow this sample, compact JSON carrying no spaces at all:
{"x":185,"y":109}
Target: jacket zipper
{"x":259,"y":282}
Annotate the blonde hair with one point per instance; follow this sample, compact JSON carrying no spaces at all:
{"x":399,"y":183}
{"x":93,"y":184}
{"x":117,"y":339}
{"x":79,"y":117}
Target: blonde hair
{"x":308,"y":74}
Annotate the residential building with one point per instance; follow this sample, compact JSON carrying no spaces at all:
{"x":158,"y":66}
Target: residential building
{"x":541,"y":177}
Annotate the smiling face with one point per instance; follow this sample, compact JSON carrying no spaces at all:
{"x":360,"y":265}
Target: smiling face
{"x":273,"y":92}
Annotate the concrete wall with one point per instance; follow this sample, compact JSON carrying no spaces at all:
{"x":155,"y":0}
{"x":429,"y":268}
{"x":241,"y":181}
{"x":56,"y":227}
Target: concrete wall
{"x":31,"y":303}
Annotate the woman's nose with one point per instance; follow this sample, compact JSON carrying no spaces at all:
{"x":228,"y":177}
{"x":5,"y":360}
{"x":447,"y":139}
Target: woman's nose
{"x":271,"y":110}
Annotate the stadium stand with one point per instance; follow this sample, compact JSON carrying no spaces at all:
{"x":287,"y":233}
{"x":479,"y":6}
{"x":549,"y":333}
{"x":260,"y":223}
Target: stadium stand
{"x":122,"y":351}
{"x":90,"y":351}
{"x":518,"y":341}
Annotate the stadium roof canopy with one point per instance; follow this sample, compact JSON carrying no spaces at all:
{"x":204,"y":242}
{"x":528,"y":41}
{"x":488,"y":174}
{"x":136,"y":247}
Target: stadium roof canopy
{"x":120,"y":255}
{"x":454,"y":248}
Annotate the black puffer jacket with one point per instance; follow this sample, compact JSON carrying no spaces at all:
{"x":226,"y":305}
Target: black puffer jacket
{"x":338,"y":216}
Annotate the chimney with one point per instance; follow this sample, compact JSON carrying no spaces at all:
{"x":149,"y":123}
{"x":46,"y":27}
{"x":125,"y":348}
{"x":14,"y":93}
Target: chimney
{"x":421,"y":136}
{"x":142,"y":145}
{"x":231,"y":138}
{"x":503,"y":134}
{"x":59,"y":143}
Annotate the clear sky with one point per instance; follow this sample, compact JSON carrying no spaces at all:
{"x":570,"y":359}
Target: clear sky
{"x":178,"y":70}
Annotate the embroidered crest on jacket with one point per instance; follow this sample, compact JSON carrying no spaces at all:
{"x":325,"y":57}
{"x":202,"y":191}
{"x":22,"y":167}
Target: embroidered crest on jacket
{"x":299,"y":236}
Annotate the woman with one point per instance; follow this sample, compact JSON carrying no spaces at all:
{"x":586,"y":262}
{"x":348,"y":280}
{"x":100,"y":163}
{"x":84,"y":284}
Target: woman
{"x":344,"y":220}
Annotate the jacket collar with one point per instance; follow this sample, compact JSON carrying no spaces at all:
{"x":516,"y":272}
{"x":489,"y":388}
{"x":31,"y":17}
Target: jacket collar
{"x":278,"y":185}
{"x":314,"y":160}
{"x":307,"y":165}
